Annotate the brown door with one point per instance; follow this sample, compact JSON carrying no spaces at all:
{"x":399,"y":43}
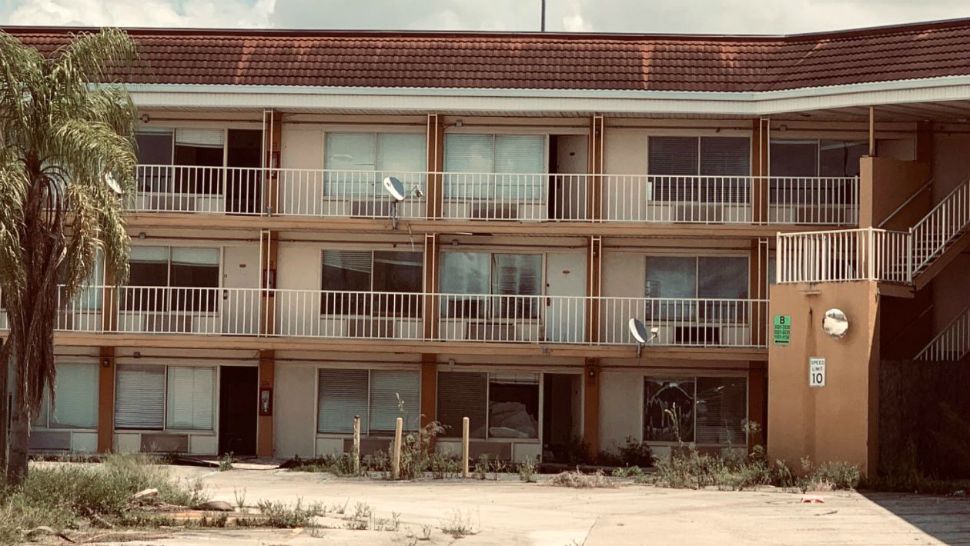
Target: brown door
{"x":238,"y":391}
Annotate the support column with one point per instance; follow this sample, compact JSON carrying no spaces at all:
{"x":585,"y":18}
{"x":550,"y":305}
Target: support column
{"x":594,"y":197}
{"x":272,"y":146}
{"x":268,"y":252}
{"x":760,"y":142}
{"x":106,"y":399}
{"x":436,"y":164}
{"x":267,"y":380}
{"x":591,"y":405}
{"x":758,"y":289}
{"x":594,"y":284}
{"x":429,"y":388}
{"x":431,"y":249}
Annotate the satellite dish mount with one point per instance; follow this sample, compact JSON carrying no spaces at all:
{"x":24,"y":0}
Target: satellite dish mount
{"x":395,"y":189}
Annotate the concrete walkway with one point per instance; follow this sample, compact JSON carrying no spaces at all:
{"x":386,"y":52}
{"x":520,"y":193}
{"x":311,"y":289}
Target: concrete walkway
{"x":508,"y":512}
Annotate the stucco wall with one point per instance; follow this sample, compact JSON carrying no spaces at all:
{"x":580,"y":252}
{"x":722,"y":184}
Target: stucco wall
{"x":294,"y":419}
{"x":621,"y":406}
{"x":835,"y":422}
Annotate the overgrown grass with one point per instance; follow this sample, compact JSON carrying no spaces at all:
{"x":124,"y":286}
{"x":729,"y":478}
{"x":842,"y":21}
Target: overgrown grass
{"x":60,"y":495}
{"x":582,"y":481}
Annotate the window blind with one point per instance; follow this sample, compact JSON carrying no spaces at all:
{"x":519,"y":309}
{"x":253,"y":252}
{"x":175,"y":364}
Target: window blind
{"x":76,"y":396}
{"x":469,"y":153}
{"x":214,"y":138}
{"x":462,"y":394}
{"x":721,"y":410}
{"x":725,"y":156}
{"x":140,"y":397}
{"x":190,"y":398}
{"x":672,"y":155}
{"x":385,"y":387}
{"x":400,"y":153}
{"x":195,"y":256}
{"x":465,"y":272}
{"x":352,"y":153}
{"x":516,"y":274}
{"x":342,"y":395}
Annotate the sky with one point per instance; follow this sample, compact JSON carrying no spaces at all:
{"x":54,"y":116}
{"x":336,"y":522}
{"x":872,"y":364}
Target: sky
{"x":638,"y":16}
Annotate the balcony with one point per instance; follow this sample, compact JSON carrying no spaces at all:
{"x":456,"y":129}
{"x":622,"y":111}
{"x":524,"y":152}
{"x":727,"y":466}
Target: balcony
{"x":414,"y":317}
{"x":492,"y":197}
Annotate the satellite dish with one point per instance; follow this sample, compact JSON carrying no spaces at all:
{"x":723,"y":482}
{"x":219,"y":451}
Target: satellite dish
{"x":638,"y":331}
{"x":113,"y":184}
{"x":395,"y":188}
{"x":835,"y":323}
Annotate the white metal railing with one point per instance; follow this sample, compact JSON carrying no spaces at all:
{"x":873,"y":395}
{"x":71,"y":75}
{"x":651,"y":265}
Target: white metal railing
{"x":499,"y":196}
{"x":411,"y":316}
{"x":952,"y":343}
{"x":198,"y":189}
{"x":689,"y":322}
{"x":936,"y":231}
{"x":844,"y":255}
{"x":345,"y":193}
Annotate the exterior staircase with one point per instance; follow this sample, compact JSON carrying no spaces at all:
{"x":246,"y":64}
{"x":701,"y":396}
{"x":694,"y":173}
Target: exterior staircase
{"x":952,"y":343}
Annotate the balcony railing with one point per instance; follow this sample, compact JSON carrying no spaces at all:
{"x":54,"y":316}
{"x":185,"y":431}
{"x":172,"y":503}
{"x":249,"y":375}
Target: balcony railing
{"x":536,"y":197}
{"x":535,"y":319}
{"x":845,"y":255}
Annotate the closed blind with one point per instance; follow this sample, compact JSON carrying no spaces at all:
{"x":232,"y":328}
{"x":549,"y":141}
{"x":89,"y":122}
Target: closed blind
{"x":402,"y":153}
{"x":524,"y":154}
{"x":200,"y":137}
{"x":462,"y":394}
{"x":190,"y":398}
{"x":343,"y":394}
{"x":721,"y":410}
{"x":725,"y":156}
{"x":351,"y":152}
{"x":516,"y":274}
{"x":469,"y":153}
{"x":385,"y":388}
{"x":140,"y":397}
{"x":76,"y":396}
{"x":672,"y":155}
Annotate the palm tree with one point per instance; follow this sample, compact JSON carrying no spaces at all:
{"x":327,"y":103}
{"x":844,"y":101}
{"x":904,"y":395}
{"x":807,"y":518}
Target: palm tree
{"x":66,"y":153}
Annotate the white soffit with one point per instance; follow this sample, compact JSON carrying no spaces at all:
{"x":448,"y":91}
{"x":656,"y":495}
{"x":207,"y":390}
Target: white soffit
{"x":525,"y":101}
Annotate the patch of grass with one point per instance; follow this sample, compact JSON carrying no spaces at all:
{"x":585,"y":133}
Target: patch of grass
{"x":527,"y":470}
{"x":458,"y":526}
{"x":59,"y":495}
{"x":581,"y":481}
{"x":225,"y":463}
{"x":278,"y":514}
{"x":628,"y":472}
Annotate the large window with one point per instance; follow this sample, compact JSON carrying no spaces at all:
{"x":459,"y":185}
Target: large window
{"x":809,"y":158}
{"x":176,"y":267}
{"x":670,"y":280}
{"x":498,"y":405}
{"x":492,"y":166}
{"x":704,"y":410}
{"x":75,"y":396}
{"x":164,"y":397}
{"x":394,"y":274}
{"x":359,"y":161}
{"x":501,"y":275}
{"x":378,"y":397}
{"x":675,"y":162}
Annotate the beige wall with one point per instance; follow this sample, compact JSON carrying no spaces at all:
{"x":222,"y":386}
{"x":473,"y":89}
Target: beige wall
{"x":885,"y":184}
{"x":836,"y":422}
{"x":294,"y":417}
{"x":621,"y":408}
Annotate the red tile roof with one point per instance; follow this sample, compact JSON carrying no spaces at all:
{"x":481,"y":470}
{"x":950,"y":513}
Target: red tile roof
{"x":539,"y":61}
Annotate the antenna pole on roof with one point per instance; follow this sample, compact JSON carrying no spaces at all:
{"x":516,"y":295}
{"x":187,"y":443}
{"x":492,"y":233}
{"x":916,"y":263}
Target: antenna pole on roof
{"x":543,"y":24}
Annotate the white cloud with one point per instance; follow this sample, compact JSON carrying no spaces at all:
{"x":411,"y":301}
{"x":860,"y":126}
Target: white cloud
{"x":683,"y":16}
{"x":143,"y":13}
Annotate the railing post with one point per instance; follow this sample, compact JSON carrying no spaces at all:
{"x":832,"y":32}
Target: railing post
{"x":870,"y":253}
{"x":909,"y":256}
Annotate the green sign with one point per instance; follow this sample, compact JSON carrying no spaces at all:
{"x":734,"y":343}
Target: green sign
{"x":782,"y":329}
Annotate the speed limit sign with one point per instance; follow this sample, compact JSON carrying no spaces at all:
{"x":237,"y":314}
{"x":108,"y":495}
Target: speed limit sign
{"x":816,"y":371}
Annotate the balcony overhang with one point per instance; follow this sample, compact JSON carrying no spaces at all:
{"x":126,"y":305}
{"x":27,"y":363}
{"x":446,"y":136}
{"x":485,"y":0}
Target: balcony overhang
{"x":570,"y":102}
{"x":370,"y":346}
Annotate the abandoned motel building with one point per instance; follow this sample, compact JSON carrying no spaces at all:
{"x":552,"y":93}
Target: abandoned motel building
{"x":567,"y":238}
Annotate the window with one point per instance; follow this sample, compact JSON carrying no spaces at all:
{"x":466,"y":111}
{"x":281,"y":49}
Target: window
{"x":705,"y":410}
{"x":164,"y":397}
{"x":811,"y":158}
{"x":153,"y":267}
{"x":670,"y":279}
{"x":378,"y":397}
{"x":674,"y":161}
{"x":359,"y":161}
{"x":75,"y":398}
{"x":485,"y":158}
{"x":392,"y":273}
{"x":495,"y":274}
{"x":497,"y":405}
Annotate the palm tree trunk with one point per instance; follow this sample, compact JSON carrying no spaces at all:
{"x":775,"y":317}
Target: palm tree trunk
{"x":19,"y":436}
{"x":4,"y":406}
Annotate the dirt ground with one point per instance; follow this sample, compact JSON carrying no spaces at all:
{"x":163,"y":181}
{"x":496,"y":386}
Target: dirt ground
{"x":507,"y":512}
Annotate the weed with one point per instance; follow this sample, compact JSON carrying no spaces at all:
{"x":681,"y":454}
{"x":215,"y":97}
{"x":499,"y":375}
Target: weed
{"x":225,"y":463}
{"x":627,"y":472}
{"x":458,"y":526}
{"x":582,"y":481}
{"x":527,"y":470}
{"x":481,"y":466}
{"x":362,"y":518}
{"x":214,"y":520}
{"x":280,"y":515}
{"x":240,"y":496}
